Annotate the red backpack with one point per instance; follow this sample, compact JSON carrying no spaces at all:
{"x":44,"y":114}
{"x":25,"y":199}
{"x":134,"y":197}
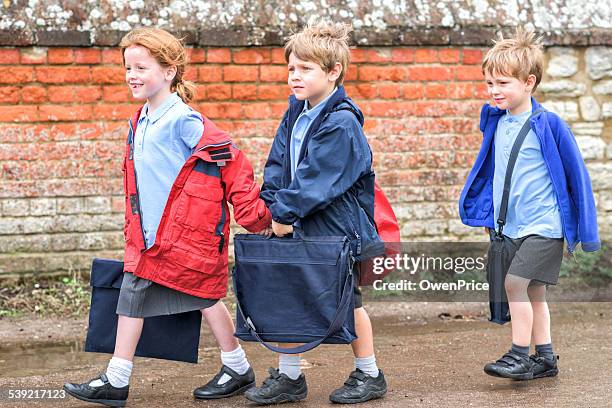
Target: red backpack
{"x":389,"y":232}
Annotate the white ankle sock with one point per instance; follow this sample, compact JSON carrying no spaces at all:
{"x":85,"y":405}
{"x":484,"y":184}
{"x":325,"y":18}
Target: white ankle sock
{"x":367,"y":365}
{"x":236,"y":360}
{"x":289,"y":364}
{"x":118,"y":373}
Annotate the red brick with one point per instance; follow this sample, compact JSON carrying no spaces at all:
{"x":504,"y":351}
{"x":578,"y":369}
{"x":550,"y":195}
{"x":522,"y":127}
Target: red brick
{"x":114,"y":112}
{"x":210,"y":73}
{"x":270,"y":73}
{"x":200,"y":93}
{"x":461,"y":90}
{"x":425,"y":55}
{"x":221,"y":92}
{"x":272,"y":92}
{"x":60,"y":55}
{"x":278,"y":56}
{"x":402,"y":54}
{"x":352,"y":73}
{"x":53,"y":113}
{"x":18,"y":113}
{"x":278,"y":109}
{"x":218,"y":55}
{"x":87,"y":56}
{"x":33,"y":56}
{"x":381,"y":73}
{"x":9,"y":56}
{"x":252,"y":56}
{"x":365,"y":91}
{"x":436,"y":91}
{"x":61,"y":75}
{"x":112,"y":56}
{"x":61,"y":94}
{"x":244,"y":92}
{"x":33,"y":94}
{"x":72,"y":131}
{"x":468,"y":73}
{"x":196,"y":55}
{"x":10,"y":94}
{"x":113,"y":93}
{"x":191,"y":74}
{"x":359,"y":55}
{"x":412,"y":91}
{"x":259,"y":110}
{"x":15,"y":75}
{"x":472,"y":56}
{"x":448,"y":55}
{"x":108,"y":75}
{"x":481,"y":91}
{"x":429,"y":74}
{"x":387,"y":109}
{"x":228,"y":110}
{"x":371,"y":55}
{"x":388,"y":91}
{"x":92,"y":93}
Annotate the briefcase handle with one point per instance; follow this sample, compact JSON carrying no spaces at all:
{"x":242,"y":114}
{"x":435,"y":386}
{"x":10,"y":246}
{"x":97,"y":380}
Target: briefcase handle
{"x":337,"y":321}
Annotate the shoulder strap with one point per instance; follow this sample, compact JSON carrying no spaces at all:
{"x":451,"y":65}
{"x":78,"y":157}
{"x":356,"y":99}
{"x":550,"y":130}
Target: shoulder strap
{"x":516,"y":147}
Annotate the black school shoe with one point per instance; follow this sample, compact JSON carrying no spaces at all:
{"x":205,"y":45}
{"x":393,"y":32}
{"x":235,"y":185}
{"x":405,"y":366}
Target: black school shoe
{"x":511,"y":365}
{"x":360,"y":387}
{"x":235,"y":386}
{"x":278,"y":388}
{"x":544,"y":367}
{"x":105,"y":394}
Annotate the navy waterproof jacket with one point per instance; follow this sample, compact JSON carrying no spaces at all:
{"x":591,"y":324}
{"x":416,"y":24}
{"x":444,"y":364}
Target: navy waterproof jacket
{"x":332,"y":192}
{"x":566,"y":168}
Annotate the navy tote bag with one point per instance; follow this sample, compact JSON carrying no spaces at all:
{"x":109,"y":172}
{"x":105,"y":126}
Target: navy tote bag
{"x":294,"y":290}
{"x":171,"y":337}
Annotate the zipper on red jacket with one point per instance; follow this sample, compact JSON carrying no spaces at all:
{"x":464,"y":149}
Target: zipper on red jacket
{"x":144,"y":240}
{"x":219,"y":229}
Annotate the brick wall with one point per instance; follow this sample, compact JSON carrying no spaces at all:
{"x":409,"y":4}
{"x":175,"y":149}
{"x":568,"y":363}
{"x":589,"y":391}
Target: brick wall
{"x":63,"y":121}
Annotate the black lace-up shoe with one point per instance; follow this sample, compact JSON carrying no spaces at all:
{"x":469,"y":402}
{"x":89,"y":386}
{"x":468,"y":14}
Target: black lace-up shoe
{"x":105,"y":394}
{"x":544,"y":366}
{"x":360,"y":387}
{"x":236,"y":385}
{"x":511,"y":365}
{"x":278,"y":388}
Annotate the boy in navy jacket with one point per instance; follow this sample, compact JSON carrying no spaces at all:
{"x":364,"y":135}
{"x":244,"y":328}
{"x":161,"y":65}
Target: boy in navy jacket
{"x":319,"y":178}
{"x":550,"y":199}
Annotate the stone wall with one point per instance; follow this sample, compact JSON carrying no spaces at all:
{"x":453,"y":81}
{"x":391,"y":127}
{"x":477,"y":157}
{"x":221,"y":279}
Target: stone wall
{"x":64,"y":106}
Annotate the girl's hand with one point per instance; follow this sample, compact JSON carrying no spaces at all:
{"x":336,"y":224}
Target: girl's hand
{"x":281,"y":229}
{"x":266,"y":232}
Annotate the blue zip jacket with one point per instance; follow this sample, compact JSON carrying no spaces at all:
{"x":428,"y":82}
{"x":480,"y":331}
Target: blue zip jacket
{"x":566,"y":168}
{"x":332,"y":191}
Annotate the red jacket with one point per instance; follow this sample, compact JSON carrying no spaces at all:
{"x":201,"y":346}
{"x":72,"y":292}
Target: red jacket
{"x":190,"y":249}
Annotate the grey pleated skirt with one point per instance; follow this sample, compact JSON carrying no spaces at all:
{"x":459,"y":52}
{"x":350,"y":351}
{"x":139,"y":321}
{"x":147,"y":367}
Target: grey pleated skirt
{"x":143,"y":298}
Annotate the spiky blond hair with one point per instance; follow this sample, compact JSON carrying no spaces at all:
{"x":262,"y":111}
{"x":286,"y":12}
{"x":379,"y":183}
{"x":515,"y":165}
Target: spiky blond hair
{"x":516,"y":57}
{"x":322,"y":43}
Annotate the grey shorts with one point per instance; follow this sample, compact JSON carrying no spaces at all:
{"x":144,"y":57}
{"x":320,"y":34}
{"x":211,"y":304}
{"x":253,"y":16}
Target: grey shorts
{"x":537,"y":258}
{"x":142,"y":298}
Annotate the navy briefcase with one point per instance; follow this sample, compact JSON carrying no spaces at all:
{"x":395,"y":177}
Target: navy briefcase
{"x":171,"y":337}
{"x":294,"y":290}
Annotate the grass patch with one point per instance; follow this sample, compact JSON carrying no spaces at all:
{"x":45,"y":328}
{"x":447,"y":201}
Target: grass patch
{"x":57,"y":296}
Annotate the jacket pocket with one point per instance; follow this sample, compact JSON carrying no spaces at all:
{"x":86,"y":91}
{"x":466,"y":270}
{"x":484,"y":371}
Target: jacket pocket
{"x":199,"y":207}
{"x":194,"y":255}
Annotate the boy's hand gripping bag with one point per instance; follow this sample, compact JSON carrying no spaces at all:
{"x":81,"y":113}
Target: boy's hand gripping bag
{"x":171,"y":337}
{"x":294,"y":290}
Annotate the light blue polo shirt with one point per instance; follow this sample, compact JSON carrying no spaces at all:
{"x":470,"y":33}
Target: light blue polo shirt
{"x":164,"y":140}
{"x":300,"y":128}
{"x":532,"y":203}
